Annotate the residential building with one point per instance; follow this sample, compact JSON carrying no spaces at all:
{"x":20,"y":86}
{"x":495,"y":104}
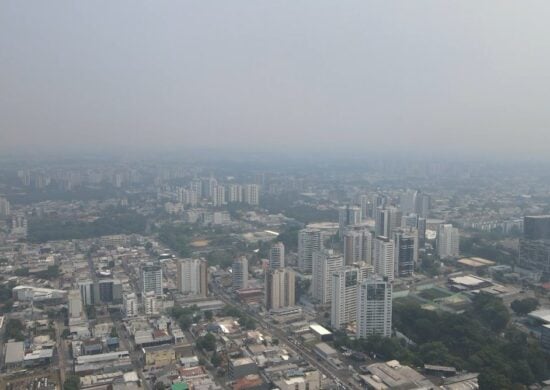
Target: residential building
{"x":357,"y":244}
{"x":130,"y":305}
{"x":150,"y":306}
{"x":192,"y":277}
{"x":374,"y":307}
{"x":277,"y":256}
{"x":348,"y":215}
{"x":383,"y":259}
{"x":252,"y":194}
{"x":448,"y":241}
{"x":387,"y":219}
{"x":280,"y":288}
{"x":235,"y":193}
{"x":219,"y":196}
{"x":309,"y":241}
{"x":345,"y":289}
{"x":325,"y":262}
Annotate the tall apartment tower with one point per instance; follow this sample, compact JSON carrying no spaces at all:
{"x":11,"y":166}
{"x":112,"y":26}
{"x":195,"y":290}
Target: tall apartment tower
{"x":309,"y":241}
{"x":235,"y":193}
{"x":150,"y":303}
{"x":406,"y":251}
{"x":448,"y":241}
{"x":348,"y":215}
{"x":384,"y":257}
{"x":378,"y":201}
{"x":277,"y":256}
{"x":345,"y":291}
{"x":192,"y":277}
{"x":151,"y":279}
{"x":374,"y":307}
{"x":325,"y":262}
{"x":357,"y":245}
{"x":365,"y":204}
{"x":252,"y":194}
{"x":4,"y":207}
{"x":240,"y":273}
{"x":219,"y":196}
{"x":387,"y":219}
{"x":280,"y":288}
{"x":130,"y":305}
{"x":87,"y":292}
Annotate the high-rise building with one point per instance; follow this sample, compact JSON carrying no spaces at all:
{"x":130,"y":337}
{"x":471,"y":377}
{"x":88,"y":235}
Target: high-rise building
{"x":383,"y":259}
{"x":196,"y":187}
{"x":325,"y":262}
{"x":536,"y":227}
{"x":407,"y":202}
{"x":309,"y":241}
{"x":378,"y":201}
{"x":188,"y":197}
{"x":130,"y":305}
{"x":192,"y":277}
{"x":4,"y":207}
{"x":151,"y":279}
{"x":423,"y":204}
{"x":345,"y":291}
{"x":348,"y":215}
{"x":235,"y":193}
{"x":109,"y":290}
{"x":534,"y":246}
{"x":387,"y":219}
{"x":365,"y":204}
{"x":406,"y":251}
{"x":87,"y":292}
{"x":219,"y":196}
{"x":357,"y":245}
{"x":150,"y":306}
{"x":240,"y":273}
{"x":448,"y":240}
{"x":251,"y":194}
{"x":374,"y":307}
{"x":421,"y":232}
{"x":19,"y":225}
{"x":75,"y":304}
{"x":277,"y":256}
{"x":280,"y":288}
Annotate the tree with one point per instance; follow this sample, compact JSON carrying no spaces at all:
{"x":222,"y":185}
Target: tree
{"x":207,"y":342}
{"x":208,"y":316}
{"x":71,"y":383}
{"x":114,"y":332}
{"x":66,"y":333}
{"x":216,"y":360}
{"x":524,"y":306}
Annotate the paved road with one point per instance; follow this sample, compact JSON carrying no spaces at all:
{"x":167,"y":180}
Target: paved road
{"x":311,"y":357}
{"x":61,"y":350}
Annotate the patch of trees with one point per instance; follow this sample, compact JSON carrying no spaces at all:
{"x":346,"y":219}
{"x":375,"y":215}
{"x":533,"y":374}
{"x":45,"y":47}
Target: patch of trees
{"x":72,"y":382}
{"x":207,"y":342}
{"x":245,"y":320}
{"x":185,"y":316}
{"x":14,"y":330}
{"x":177,"y":238}
{"x":524,"y":306}
{"x":113,"y":221}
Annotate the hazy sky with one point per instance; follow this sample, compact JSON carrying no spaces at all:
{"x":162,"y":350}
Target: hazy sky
{"x":300,"y":75}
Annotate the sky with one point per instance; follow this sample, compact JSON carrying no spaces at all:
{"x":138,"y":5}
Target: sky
{"x":425,"y":77}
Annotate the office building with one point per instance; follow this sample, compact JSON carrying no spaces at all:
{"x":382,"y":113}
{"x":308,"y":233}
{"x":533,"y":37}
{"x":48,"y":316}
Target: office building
{"x":407,"y":202}
{"x":325,"y":262}
{"x":130,"y":305}
{"x":534,"y":246}
{"x":251,"y":194}
{"x":423,"y":205}
{"x":378,"y":201}
{"x":192,"y":277}
{"x":365,"y":205}
{"x":345,"y":291}
{"x":387,"y":219}
{"x":277,"y":256}
{"x":357,"y":242}
{"x":348,"y":215}
{"x":75,"y":304}
{"x":240,"y":273}
{"x":448,"y":241}
{"x":406,"y":251}
{"x":374,"y":307}
{"x":87,"y":292}
{"x":151,"y":279}
{"x":280,"y":288}
{"x":383,"y":258}
{"x":109,"y":291}
{"x":309,"y":241}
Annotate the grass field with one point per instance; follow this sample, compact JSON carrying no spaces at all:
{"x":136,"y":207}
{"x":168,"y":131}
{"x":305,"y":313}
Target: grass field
{"x":433,"y":293}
